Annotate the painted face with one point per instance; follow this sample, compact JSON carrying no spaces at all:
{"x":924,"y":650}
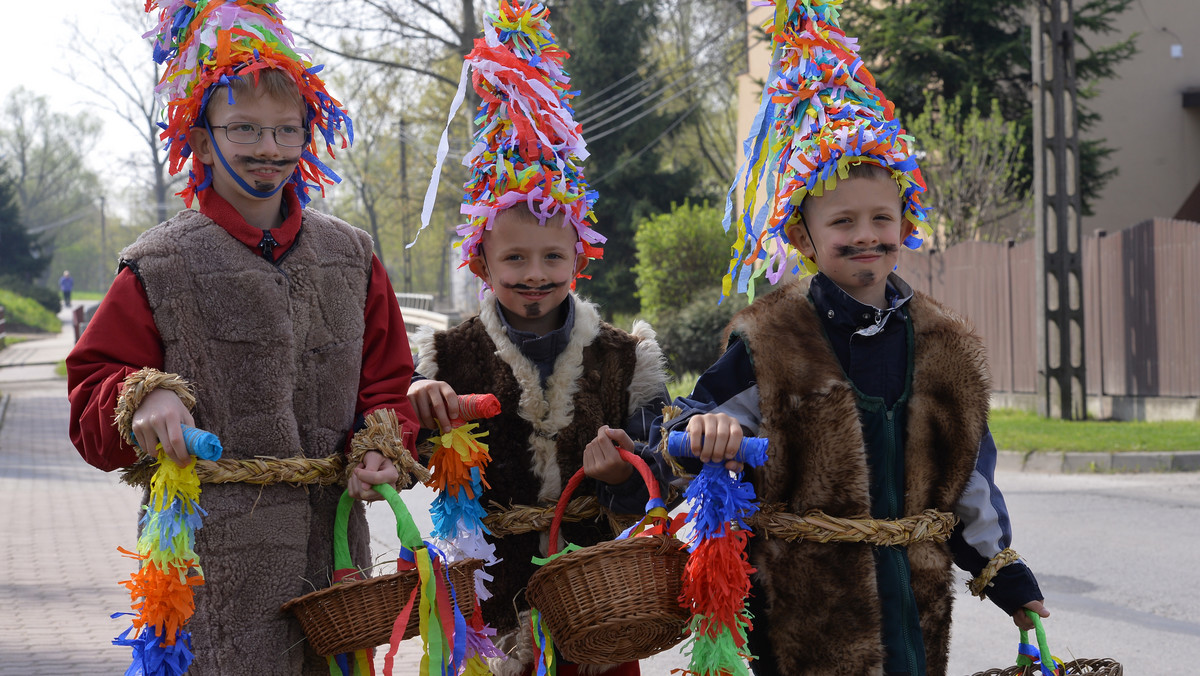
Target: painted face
{"x":529,"y":267}
{"x":262,"y":165}
{"x":854,"y":234}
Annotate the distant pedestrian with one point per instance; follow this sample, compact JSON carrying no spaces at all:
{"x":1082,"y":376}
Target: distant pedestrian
{"x":65,"y":284}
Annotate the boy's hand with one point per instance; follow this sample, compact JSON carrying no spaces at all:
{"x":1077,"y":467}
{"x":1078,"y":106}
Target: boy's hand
{"x":157,"y":421}
{"x":435,"y":403}
{"x":1023,"y":621}
{"x":715,"y":437}
{"x":374,"y":469}
{"x":602,"y":462}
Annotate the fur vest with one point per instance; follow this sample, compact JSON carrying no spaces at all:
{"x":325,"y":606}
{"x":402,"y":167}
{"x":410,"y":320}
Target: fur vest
{"x":537,"y":441}
{"x":821,"y":598}
{"x":275,"y":352}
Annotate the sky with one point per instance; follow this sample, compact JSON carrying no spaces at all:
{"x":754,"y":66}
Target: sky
{"x":36,"y":44}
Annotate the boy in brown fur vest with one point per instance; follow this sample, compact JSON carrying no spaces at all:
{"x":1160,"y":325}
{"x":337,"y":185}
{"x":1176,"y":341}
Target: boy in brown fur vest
{"x":279,"y":318}
{"x":874,"y":398}
{"x":571,"y":387}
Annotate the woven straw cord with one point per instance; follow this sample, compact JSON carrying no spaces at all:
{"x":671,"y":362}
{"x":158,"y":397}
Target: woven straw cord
{"x":260,"y":471}
{"x":979,"y":585}
{"x":134,"y":390}
{"x":816,"y":526}
{"x":383,"y":433}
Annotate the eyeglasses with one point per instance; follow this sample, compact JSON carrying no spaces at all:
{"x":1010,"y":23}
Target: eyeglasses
{"x":248,"y":133}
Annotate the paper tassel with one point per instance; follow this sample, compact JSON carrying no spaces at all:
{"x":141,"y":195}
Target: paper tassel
{"x":161,"y":590}
{"x":717,"y":576}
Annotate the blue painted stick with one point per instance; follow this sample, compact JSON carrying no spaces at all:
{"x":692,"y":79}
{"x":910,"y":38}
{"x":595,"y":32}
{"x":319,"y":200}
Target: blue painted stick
{"x":752,"y":451}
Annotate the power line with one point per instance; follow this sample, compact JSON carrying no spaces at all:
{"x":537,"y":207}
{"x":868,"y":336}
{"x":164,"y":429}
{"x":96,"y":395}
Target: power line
{"x":649,"y":145}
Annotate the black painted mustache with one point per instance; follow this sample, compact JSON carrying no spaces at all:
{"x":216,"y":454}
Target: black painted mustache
{"x":850,"y":250}
{"x":253,"y":162}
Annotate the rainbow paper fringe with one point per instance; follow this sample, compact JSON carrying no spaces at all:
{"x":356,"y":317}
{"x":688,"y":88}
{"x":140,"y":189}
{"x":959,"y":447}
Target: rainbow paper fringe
{"x":162,"y":588}
{"x":821,"y":112}
{"x":528,"y":146}
{"x":717,"y":576}
{"x":457,"y":469}
{"x":206,"y":43}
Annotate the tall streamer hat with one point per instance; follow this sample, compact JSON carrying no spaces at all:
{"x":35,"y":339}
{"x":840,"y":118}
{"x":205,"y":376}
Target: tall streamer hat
{"x":820,"y":113}
{"x":527,"y":147}
{"x":206,"y":44}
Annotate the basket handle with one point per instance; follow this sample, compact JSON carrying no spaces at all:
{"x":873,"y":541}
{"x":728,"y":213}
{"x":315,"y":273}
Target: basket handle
{"x":1026,"y":653}
{"x":406,"y":528}
{"x":561,"y":508}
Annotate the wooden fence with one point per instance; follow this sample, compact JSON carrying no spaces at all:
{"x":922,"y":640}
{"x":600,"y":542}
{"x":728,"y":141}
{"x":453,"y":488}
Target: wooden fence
{"x":1141,"y":299}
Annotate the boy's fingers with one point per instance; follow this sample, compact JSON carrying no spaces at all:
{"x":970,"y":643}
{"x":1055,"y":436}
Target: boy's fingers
{"x":620,"y":438}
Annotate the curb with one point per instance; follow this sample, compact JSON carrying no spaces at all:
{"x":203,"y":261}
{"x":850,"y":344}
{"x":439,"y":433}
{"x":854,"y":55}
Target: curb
{"x":1065,"y":462}
{"x":4,"y":397}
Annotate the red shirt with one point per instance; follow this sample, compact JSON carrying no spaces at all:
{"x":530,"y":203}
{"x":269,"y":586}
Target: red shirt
{"x":122,"y":338}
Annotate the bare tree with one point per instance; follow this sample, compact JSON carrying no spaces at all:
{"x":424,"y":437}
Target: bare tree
{"x":423,"y":32}
{"x":127,"y":77}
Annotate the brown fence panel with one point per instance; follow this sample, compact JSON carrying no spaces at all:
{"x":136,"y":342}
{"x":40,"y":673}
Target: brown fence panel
{"x":1141,"y":294}
{"x":1022,"y":263}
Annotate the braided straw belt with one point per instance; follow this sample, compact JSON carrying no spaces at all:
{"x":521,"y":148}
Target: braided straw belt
{"x":260,"y":471}
{"x":771,"y":521}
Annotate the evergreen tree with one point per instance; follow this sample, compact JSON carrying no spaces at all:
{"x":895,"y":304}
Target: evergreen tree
{"x":20,"y":257}
{"x":955,"y":47}
{"x":608,"y":39}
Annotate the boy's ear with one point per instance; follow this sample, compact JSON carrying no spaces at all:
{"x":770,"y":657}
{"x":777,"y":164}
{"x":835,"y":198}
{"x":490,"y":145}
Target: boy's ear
{"x":478,"y":266}
{"x":201,"y":145}
{"x":797,"y":234}
{"x":581,"y":262}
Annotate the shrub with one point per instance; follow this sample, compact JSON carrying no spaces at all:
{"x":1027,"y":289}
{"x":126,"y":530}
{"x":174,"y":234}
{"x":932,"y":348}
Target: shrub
{"x":47,"y":298}
{"x":679,"y":254}
{"x":23,"y":314}
{"x":693,"y":337}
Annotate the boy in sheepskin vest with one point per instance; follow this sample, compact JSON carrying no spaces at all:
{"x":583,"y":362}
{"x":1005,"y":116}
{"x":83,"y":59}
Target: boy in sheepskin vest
{"x":874,"y":398}
{"x":279,"y":319}
{"x":571,"y":387}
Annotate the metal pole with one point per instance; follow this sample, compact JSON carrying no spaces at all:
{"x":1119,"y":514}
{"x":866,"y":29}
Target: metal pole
{"x":408,"y":287}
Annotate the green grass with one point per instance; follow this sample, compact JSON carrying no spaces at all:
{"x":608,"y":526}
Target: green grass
{"x":61,"y":369}
{"x":87,"y":295}
{"x":1024,"y":431}
{"x":26,"y":314}
{"x":681,"y":385}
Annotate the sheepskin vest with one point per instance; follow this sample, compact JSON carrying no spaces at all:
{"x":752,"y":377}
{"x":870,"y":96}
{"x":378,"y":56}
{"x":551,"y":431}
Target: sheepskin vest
{"x":537,"y":441}
{"x":826,"y":620}
{"x":275,"y":352}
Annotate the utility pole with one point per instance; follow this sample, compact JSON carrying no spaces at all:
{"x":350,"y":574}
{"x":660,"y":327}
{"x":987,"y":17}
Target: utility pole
{"x":1062,"y":383}
{"x":408,"y":286}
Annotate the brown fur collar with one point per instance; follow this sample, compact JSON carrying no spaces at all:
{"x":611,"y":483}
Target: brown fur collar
{"x":827,"y":621}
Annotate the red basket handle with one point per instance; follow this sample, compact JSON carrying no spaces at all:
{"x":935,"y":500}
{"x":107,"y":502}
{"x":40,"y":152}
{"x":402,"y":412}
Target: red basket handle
{"x":561,"y":508}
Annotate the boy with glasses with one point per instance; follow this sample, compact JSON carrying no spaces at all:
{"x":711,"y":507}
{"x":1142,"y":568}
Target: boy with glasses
{"x":280,"y":317}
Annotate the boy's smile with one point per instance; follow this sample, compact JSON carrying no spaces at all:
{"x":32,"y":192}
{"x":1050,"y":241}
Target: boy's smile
{"x":529,"y":267}
{"x":854,"y":233}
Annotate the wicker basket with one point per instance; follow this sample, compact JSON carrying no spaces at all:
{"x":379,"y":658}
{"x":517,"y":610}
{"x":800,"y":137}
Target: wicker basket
{"x":1096,"y":667}
{"x":616,"y":601}
{"x":360,"y":614}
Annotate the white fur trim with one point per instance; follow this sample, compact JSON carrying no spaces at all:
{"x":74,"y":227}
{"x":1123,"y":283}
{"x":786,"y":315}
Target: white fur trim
{"x":552,"y":409}
{"x":426,"y":352}
{"x":650,"y":372}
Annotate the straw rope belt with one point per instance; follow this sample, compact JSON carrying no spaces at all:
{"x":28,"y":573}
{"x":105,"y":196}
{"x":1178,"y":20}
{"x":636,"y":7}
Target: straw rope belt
{"x":771,"y":521}
{"x":259,"y":471}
